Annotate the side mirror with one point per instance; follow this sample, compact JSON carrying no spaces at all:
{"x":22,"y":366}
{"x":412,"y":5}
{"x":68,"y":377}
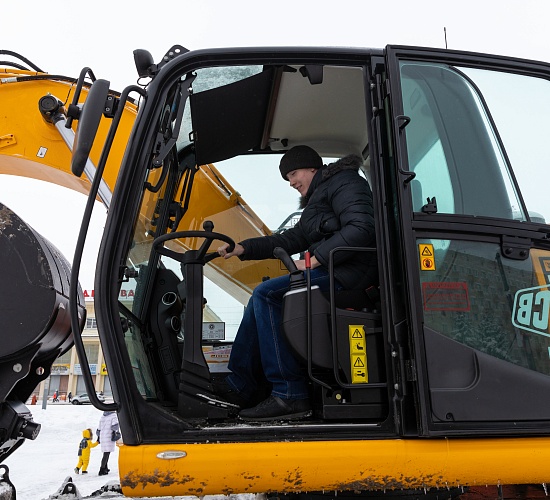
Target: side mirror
{"x":88,"y":124}
{"x":144,"y":63}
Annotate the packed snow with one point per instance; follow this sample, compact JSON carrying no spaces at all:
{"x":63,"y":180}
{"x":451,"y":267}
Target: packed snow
{"x":39,"y":467}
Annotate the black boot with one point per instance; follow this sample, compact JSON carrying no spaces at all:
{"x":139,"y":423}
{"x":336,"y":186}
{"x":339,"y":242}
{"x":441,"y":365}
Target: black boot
{"x":227,"y":393}
{"x":275,"y":408}
{"x":103,"y":471}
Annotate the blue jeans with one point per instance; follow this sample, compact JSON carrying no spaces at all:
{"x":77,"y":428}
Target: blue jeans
{"x":261,"y":352}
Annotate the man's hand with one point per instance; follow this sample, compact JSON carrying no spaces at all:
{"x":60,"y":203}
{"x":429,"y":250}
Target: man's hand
{"x":301,"y":264}
{"x":238,"y":250}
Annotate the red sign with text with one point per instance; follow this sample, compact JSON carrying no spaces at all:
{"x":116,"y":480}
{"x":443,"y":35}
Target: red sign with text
{"x":445,"y":296}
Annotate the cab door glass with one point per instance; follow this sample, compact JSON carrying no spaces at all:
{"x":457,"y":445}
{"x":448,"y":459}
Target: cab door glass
{"x":475,"y":296}
{"x":523,"y":129}
{"x":470,"y":134}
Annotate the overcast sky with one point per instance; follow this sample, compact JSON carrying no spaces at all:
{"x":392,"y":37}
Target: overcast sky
{"x":61,"y":37}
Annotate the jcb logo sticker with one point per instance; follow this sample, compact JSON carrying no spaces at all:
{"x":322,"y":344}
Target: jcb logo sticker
{"x":531,"y":310}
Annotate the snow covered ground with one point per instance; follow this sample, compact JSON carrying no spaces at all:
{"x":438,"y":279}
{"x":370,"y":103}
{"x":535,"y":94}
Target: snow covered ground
{"x":39,"y":467}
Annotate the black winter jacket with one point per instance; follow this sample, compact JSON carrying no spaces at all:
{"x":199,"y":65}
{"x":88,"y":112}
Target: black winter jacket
{"x":338,"y":212}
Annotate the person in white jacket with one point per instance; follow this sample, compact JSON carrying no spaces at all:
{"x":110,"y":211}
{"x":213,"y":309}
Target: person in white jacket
{"x":107,"y":435}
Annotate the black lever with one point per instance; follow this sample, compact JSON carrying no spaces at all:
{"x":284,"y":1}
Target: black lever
{"x":297,"y":279}
{"x":282,"y":255}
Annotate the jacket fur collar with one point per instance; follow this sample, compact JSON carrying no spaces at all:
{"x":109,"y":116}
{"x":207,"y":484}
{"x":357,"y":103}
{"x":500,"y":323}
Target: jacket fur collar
{"x":350,"y":162}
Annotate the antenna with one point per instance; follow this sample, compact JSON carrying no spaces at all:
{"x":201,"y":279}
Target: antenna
{"x":445,"y":32}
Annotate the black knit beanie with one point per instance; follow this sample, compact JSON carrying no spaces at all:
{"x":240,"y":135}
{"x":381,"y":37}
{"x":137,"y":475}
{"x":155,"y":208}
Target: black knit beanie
{"x":299,"y":157}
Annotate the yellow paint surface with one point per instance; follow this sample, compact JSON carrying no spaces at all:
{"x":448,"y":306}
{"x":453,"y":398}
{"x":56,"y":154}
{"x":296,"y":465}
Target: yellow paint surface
{"x":332,"y":465}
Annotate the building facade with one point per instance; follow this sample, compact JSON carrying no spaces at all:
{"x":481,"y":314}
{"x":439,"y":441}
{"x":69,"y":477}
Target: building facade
{"x":66,"y":374}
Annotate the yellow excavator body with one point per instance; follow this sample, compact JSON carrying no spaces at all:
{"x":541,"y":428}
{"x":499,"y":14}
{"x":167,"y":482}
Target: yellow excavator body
{"x":294,"y":467}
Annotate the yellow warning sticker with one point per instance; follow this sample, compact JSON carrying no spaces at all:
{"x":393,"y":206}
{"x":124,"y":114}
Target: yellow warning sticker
{"x":541,"y":266}
{"x":358,"y":361}
{"x":358,"y":354}
{"x":427,"y":258}
{"x":359,"y":376}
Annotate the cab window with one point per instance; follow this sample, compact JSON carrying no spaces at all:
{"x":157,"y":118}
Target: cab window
{"x":479,"y":298}
{"x":463,"y":139}
{"x":523,"y":129}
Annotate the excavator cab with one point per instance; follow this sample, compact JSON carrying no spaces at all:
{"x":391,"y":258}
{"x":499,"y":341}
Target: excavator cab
{"x":424,"y":357}
{"x":435,"y":379}
{"x":429,"y":356}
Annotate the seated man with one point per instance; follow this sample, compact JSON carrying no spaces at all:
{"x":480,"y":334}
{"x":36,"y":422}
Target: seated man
{"x":338,"y":212}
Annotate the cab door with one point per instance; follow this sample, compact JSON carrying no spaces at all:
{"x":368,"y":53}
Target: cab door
{"x":470,"y":137}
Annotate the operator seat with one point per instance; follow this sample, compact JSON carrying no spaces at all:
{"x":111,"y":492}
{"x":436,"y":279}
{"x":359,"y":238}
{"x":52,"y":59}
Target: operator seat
{"x":341,"y":343}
